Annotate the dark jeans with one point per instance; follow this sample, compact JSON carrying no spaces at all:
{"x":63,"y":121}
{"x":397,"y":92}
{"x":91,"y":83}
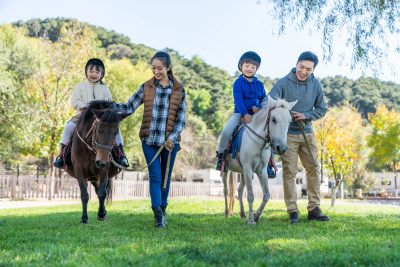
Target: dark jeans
{"x":157,"y":173}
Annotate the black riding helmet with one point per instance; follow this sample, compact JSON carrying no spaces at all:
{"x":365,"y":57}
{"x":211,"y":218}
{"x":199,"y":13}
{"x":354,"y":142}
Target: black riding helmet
{"x":250,"y":55}
{"x":95,"y":62}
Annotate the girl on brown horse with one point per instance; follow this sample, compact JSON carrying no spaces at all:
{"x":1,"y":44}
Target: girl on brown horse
{"x":92,"y":89}
{"x":163,"y":121}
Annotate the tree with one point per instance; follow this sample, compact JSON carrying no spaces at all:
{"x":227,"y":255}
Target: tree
{"x":59,"y":67}
{"x":339,"y":135}
{"x":367,"y":25}
{"x":16,"y":56}
{"x":385,"y":138}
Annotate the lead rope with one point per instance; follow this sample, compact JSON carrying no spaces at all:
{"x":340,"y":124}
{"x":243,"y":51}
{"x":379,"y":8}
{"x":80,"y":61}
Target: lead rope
{"x":155,"y":156}
{"x":301,"y":125}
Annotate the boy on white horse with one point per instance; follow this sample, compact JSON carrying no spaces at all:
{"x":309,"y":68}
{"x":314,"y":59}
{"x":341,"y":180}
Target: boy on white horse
{"x":248,"y":92}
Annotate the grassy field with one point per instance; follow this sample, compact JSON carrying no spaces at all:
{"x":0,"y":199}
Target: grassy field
{"x":197,"y":234}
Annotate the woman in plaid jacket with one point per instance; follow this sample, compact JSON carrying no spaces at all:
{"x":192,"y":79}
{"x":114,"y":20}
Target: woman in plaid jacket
{"x":164,"y":119}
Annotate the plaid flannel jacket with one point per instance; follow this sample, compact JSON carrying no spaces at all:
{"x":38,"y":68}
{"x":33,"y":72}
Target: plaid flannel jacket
{"x":158,"y":124}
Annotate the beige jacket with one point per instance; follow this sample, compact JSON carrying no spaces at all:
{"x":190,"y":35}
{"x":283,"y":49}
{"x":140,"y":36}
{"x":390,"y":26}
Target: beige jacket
{"x":88,"y":91}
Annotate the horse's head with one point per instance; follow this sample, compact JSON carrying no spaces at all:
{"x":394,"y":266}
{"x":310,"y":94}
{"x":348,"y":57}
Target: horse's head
{"x":104,"y":129}
{"x":279,"y":121}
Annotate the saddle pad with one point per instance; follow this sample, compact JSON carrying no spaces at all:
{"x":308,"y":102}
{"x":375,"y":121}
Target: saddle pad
{"x":235,"y":147}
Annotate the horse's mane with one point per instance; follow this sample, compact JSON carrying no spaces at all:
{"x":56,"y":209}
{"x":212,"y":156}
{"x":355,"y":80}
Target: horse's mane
{"x":260,"y":116}
{"x":108,"y":113}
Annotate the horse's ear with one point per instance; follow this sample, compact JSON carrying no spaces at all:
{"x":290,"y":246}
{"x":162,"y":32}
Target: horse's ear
{"x":271,"y":101}
{"x":96,"y":113}
{"x":291,"y":104}
{"x":123,"y":116}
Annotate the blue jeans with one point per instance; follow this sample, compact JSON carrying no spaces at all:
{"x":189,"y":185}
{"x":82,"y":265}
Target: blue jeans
{"x":157,"y":173}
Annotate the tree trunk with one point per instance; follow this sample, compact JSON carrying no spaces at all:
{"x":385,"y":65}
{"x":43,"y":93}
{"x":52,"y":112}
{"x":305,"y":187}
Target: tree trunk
{"x":333,"y":196}
{"x":322,"y":165}
{"x":395,"y":177}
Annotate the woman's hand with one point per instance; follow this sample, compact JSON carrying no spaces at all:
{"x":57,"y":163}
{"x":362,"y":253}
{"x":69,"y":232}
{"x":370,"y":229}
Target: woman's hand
{"x":247,"y":118}
{"x":255,"y":109}
{"x":169,"y":143}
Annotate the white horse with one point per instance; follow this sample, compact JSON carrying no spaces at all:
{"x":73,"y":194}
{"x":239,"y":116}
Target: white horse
{"x":267,"y":129}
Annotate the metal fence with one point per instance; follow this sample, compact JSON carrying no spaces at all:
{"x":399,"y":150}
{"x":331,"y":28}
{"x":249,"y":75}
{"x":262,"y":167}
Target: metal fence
{"x":28,"y":187}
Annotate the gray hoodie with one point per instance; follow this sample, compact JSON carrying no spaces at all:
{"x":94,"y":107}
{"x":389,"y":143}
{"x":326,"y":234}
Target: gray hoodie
{"x":309,"y":95}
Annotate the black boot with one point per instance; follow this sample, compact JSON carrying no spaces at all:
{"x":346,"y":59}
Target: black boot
{"x":163,"y":208}
{"x":219,"y":163}
{"x":159,"y":217}
{"x":294,"y":217}
{"x":123,"y":160}
{"x":316,"y":214}
{"x":59,"y":163}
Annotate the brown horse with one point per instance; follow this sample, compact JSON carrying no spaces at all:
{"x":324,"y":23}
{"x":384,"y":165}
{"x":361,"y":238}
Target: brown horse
{"x":91,"y":148}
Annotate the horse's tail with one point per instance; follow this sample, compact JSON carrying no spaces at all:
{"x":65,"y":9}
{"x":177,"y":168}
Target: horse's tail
{"x":231,"y":181}
{"x":109,"y":191}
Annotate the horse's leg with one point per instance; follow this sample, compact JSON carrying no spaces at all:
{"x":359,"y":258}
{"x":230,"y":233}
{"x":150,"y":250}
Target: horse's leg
{"x":250,"y":196}
{"x":240,"y":197}
{"x":96,"y":186}
{"x":263,"y":177}
{"x":84,"y":195}
{"x":224,"y":180}
{"x":102,"y":213}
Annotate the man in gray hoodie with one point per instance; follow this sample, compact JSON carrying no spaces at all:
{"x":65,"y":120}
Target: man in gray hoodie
{"x":301,"y":85}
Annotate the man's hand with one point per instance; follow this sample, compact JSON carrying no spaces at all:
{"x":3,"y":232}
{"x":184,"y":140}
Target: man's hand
{"x":298,"y":116}
{"x":247,"y":118}
{"x":255,"y":109}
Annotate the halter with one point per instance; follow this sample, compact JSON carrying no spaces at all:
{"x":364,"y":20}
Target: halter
{"x":267,"y":139}
{"x":95,"y":129}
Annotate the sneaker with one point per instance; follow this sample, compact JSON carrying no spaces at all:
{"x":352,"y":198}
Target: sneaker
{"x":316,"y":214}
{"x":294,"y":217}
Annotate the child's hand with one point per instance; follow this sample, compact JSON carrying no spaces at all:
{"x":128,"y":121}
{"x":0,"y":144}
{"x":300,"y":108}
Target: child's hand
{"x":255,"y":109}
{"x":247,"y":118}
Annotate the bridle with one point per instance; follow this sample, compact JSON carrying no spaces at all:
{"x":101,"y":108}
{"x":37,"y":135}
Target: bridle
{"x":94,"y":131}
{"x":267,"y":139}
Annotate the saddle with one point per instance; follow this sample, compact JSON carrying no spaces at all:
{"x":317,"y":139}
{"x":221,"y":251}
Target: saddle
{"x":66,"y":153}
{"x":234,"y":146}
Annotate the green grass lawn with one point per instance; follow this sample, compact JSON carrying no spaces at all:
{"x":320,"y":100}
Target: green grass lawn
{"x":197,"y":234}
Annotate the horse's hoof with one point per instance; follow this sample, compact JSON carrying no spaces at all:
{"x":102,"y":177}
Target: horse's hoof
{"x":84,"y":222}
{"x":102,"y":218}
{"x":252,"y":223}
{"x":256,"y":217}
{"x":243,"y":215}
{"x":226,"y":214}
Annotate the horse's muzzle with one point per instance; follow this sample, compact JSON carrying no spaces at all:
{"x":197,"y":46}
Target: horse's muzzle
{"x":102,"y":165}
{"x":280,"y":149}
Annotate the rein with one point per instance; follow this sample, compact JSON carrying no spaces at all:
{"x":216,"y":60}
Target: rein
{"x":266,"y":139}
{"x":94,"y":131}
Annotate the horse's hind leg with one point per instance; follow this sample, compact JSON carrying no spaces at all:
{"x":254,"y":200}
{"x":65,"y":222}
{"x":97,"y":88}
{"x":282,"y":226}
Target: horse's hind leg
{"x":240,"y":197}
{"x":250,"y":196}
{"x":224,"y":180}
{"x":263,"y":177}
{"x":102,"y":193}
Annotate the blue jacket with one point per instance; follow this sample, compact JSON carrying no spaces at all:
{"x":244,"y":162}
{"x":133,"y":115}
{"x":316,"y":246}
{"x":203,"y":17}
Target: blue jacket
{"x":247,"y":95}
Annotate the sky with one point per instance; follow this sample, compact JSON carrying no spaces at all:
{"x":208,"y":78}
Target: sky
{"x":217,"y":31}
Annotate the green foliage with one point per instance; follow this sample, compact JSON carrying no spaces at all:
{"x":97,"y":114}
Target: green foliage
{"x":385,"y":137}
{"x":367,"y":26}
{"x":364,"y":93}
{"x":197,"y":234}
